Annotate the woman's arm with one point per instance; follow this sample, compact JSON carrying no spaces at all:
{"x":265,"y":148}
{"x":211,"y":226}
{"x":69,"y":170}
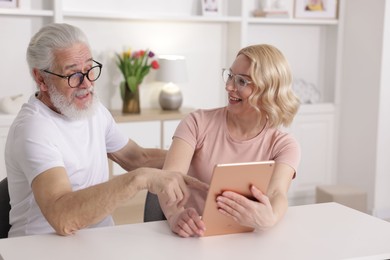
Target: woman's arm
{"x":178,"y":159}
{"x":183,"y":221}
{"x":278,"y":188}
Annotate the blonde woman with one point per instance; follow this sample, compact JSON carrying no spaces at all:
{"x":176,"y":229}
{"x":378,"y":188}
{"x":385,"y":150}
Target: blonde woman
{"x":260,"y":99}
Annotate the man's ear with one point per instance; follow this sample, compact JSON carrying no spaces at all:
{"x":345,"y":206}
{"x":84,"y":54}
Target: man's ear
{"x":39,"y":79}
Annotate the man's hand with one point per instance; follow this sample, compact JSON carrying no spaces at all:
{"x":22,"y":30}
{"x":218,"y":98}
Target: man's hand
{"x":174,"y":186}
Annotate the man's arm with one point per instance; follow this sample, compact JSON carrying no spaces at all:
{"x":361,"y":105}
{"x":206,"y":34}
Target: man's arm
{"x":68,"y":211}
{"x":133,"y":156}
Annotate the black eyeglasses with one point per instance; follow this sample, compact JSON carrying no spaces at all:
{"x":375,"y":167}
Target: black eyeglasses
{"x":76,"y":79}
{"x":240,"y":82}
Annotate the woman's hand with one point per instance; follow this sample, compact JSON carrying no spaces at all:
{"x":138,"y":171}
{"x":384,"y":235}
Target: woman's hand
{"x":187,"y":223}
{"x":257,"y":214}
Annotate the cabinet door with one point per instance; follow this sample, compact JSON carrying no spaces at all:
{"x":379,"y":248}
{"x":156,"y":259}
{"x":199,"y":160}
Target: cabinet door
{"x":315,"y":136}
{"x":169,"y":128}
{"x":146,"y":134}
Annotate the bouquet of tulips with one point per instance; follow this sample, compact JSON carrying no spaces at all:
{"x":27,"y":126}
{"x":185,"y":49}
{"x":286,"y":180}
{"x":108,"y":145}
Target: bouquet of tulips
{"x":134,"y":67}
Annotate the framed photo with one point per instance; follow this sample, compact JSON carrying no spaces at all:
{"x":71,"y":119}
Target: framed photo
{"x":8,"y":3}
{"x":211,"y":7}
{"x":322,"y":9}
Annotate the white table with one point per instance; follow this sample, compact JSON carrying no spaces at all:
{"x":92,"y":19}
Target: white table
{"x":319,"y":231}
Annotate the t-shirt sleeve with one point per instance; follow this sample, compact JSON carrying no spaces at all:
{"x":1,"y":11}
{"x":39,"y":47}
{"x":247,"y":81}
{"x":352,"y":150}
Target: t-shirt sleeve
{"x":288,"y":151}
{"x":28,"y":141}
{"x":188,"y":129}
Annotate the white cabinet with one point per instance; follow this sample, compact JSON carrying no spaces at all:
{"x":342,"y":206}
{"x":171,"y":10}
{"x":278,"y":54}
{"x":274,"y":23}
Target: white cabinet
{"x":315,"y":134}
{"x":146,"y":134}
{"x":169,"y":127}
{"x":150,"y":134}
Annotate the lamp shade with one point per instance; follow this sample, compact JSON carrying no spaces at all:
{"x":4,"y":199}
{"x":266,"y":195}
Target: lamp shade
{"x":172,"y":69}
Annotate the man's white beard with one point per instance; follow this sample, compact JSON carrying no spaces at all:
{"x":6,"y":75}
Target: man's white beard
{"x":68,"y":108}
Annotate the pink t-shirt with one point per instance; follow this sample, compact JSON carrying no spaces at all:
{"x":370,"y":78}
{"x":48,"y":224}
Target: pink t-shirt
{"x":206,"y":131}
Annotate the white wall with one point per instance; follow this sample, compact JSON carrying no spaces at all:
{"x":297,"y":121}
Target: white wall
{"x":382,"y":182}
{"x":364,"y":117}
{"x":14,"y":78}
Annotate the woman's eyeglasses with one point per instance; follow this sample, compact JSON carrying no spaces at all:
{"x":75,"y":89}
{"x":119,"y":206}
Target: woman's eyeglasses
{"x":240,"y":82}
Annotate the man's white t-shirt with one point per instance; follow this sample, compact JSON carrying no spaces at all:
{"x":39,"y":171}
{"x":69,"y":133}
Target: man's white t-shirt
{"x":40,"y":139}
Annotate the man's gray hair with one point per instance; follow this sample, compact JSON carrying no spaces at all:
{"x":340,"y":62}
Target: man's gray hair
{"x":40,"y":51}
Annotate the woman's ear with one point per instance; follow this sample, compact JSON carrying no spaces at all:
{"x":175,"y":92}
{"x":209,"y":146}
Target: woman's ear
{"x":39,"y":79}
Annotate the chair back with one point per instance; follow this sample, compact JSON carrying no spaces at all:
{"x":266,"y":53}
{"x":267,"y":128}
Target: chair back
{"x":152,"y":211}
{"x":5,"y":208}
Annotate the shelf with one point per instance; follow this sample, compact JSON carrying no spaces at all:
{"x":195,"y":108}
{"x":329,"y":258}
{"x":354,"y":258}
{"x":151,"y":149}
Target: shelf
{"x":26,"y":12}
{"x":150,"y":17}
{"x":151,"y":115}
{"x":292,"y":21}
{"x":164,"y":17}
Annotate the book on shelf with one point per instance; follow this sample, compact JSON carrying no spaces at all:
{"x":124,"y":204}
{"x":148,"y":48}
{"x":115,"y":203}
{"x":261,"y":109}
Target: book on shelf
{"x":271,"y":13}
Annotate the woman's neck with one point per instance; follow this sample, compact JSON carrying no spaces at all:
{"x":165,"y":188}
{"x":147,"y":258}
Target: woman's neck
{"x":245,"y":127}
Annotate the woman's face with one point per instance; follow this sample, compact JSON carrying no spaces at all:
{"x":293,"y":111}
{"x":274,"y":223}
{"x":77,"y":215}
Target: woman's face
{"x":239,"y":86}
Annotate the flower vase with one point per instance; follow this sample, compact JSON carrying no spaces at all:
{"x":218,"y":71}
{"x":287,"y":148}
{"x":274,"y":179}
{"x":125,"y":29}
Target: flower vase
{"x":131,"y":104}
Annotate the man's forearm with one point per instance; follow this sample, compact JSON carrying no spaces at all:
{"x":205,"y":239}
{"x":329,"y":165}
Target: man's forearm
{"x":79,"y":209}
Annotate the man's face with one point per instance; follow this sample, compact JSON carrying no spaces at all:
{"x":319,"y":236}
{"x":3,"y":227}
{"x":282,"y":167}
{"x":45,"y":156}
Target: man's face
{"x":77,"y":102}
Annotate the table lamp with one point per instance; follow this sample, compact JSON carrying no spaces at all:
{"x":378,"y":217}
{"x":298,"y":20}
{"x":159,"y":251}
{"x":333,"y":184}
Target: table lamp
{"x":172,"y":71}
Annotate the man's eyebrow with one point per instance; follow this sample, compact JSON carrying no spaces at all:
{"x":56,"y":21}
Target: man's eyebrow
{"x":71,"y":66}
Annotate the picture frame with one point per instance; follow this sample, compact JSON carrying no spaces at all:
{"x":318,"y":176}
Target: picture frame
{"x":211,"y":7}
{"x":8,"y":3}
{"x":315,"y":9}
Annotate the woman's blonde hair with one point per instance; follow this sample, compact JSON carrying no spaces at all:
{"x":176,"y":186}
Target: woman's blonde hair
{"x":273,"y":94}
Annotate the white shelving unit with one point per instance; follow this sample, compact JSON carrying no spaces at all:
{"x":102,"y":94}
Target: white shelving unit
{"x":26,"y":13}
{"x":209,"y":43}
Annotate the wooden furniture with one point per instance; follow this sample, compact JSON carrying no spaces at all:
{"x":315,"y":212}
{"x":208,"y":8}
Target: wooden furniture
{"x":318,"y":231}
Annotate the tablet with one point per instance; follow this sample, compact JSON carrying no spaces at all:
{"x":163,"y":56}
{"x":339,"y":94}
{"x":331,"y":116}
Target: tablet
{"x":237,"y":177}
